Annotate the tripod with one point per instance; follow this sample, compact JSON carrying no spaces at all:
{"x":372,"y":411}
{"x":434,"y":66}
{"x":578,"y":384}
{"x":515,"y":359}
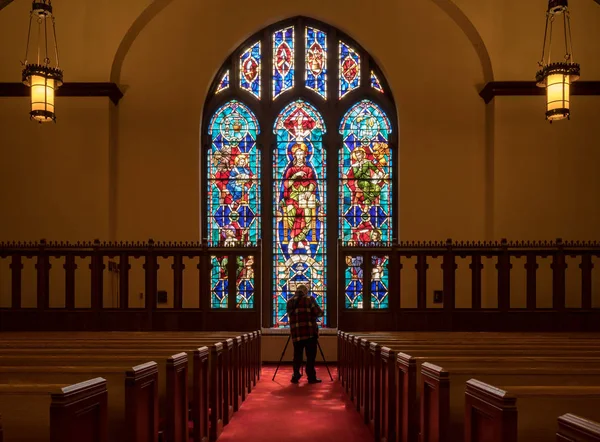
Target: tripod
{"x":283,"y":353}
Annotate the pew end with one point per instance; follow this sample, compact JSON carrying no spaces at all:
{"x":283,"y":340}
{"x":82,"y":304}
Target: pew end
{"x":490,"y":413}
{"x":78,"y":413}
{"x":572,"y":428}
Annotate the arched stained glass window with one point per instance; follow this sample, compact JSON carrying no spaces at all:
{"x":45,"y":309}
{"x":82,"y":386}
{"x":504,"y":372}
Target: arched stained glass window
{"x":299,"y":175}
{"x":299,"y":77}
{"x":366,"y":175}
{"x":234,"y":177}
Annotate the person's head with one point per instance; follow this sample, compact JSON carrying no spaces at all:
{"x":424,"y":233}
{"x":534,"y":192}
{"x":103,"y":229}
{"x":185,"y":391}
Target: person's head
{"x":299,"y":151}
{"x":359,"y":154}
{"x":241,"y":160}
{"x":301,"y":290}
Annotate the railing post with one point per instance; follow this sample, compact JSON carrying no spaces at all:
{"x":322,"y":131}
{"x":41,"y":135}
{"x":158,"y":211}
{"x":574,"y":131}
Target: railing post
{"x":151,"y":269}
{"x":586,"y":267}
{"x":531,"y":266}
{"x":178,"y":267}
{"x":449,"y":276}
{"x":421,"y":267}
{"x":70,"y":267}
{"x":43,"y":276}
{"x":476,"y":267}
{"x":97,"y":266}
{"x":504,"y":267}
{"x":16,"y":269}
{"x":124,"y":280}
{"x":559,"y":266}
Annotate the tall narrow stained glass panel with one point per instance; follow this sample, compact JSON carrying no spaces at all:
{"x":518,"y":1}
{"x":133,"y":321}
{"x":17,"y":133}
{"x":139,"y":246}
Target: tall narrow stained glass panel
{"x":219,"y":282}
{"x":283,"y":60}
{"x":375,"y":83}
{"x":299,"y":178}
{"x":233,"y":185}
{"x":316,"y":61}
{"x":224,"y":83}
{"x":365,"y":165}
{"x":244,"y":282}
{"x":354,"y":285}
{"x":250,"y":68}
{"x":379,"y":281}
{"x":349,"y":69}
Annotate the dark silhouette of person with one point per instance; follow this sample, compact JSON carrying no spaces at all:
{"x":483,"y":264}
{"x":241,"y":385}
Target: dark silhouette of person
{"x":303,"y":312}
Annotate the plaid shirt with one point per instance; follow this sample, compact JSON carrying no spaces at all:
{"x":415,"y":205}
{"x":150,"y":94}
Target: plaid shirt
{"x":303,"y":312}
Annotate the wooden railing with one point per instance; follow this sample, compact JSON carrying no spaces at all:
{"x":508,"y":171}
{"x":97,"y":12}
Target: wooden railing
{"x":480,"y":297}
{"x":443,"y":285}
{"x":108,"y":298}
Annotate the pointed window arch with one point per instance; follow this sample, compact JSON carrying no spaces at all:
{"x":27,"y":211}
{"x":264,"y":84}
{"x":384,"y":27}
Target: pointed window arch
{"x":323,"y":174}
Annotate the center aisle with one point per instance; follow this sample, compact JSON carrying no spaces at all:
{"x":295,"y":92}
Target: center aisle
{"x":279,"y":410}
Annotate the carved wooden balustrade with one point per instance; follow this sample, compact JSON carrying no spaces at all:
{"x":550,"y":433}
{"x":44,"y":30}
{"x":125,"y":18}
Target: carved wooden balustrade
{"x":116,"y":259}
{"x":475,"y":285}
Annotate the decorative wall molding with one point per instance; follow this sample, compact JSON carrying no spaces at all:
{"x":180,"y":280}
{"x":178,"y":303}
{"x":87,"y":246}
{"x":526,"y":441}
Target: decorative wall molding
{"x":516,"y":88}
{"x":110,"y":90}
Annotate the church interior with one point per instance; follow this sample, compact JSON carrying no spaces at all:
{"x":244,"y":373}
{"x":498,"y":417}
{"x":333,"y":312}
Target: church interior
{"x":174,"y":172}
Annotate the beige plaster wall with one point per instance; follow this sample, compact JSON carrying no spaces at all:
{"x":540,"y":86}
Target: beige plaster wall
{"x":466,"y":170}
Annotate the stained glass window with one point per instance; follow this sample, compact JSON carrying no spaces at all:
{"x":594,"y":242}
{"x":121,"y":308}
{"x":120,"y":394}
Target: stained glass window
{"x":316,"y":61}
{"x":224,"y":83}
{"x":354,"y":282}
{"x":375,"y":84}
{"x":297,"y":211}
{"x":365,"y":206}
{"x":283,"y":61}
{"x":245,"y":282}
{"x":219,"y":282}
{"x":379,"y":281}
{"x":299,"y":166}
{"x":233,"y":177}
{"x":349,"y":69}
{"x":250,"y":67}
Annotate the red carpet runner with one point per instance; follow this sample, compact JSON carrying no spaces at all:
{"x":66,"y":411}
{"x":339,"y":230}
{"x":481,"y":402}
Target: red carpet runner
{"x":280,"y":411}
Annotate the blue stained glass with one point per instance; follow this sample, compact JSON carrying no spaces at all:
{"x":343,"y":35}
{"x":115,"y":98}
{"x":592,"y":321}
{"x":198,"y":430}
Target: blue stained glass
{"x":219,"y":281}
{"x":224,"y":83}
{"x":250,"y":67}
{"x":245,"y":282}
{"x":375,"y":84}
{"x":365,"y":204}
{"x":233,"y":177}
{"x":349,"y":69}
{"x":379,"y":282}
{"x":354,"y":282}
{"x":283,"y":61}
{"x":299,"y":173}
{"x":316,"y":61}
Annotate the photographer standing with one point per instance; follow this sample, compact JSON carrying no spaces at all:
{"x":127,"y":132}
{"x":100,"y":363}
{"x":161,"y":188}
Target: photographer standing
{"x":303,"y":312}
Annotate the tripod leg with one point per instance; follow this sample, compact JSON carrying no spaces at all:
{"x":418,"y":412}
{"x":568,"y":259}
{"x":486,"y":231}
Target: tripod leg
{"x":281,"y":358}
{"x":324,"y":360}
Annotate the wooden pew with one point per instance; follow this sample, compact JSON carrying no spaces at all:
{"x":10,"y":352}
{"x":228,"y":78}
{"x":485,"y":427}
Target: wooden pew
{"x":490,"y":413}
{"x":435,"y":404}
{"x":177,"y":399}
{"x":141,"y":403}
{"x":200,"y":396}
{"x":1,"y":430}
{"x":572,"y":428}
{"x":78,"y":413}
{"x":249,"y":356}
{"x":353,"y":370}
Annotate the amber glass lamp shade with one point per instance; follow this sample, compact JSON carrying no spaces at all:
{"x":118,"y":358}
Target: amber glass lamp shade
{"x":557,"y":79}
{"x":43,"y":82}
